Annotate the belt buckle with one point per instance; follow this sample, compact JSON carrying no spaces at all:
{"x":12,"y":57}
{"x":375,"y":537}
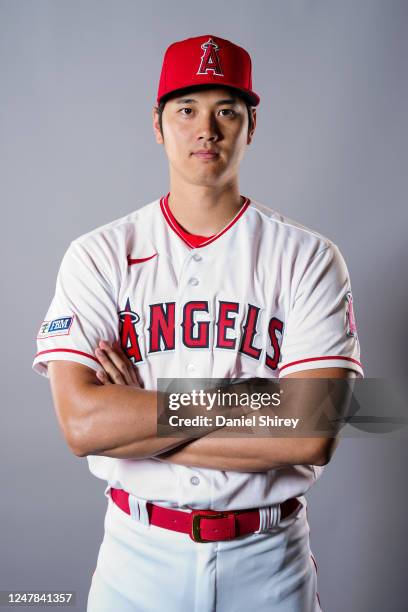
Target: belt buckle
{"x":197,"y":515}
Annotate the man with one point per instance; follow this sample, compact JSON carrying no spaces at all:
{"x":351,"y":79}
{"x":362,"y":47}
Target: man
{"x":201,"y":283}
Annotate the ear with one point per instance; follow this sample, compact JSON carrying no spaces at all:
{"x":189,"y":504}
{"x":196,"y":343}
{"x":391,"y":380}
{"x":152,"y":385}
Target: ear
{"x":251,"y":133}
{"x":156,"y":126}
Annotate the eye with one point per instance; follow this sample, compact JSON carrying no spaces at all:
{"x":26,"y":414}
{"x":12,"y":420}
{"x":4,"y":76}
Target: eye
{"x":187,"y":109}
{"x":227,"y":112}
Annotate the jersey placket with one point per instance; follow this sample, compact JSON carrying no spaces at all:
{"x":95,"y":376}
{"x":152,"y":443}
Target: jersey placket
{"x":196,"y":336}
{"x":193,"y":288}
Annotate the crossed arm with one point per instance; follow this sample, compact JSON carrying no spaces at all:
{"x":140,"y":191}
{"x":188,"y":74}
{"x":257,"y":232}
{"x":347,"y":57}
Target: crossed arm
{"x":109,"y":414}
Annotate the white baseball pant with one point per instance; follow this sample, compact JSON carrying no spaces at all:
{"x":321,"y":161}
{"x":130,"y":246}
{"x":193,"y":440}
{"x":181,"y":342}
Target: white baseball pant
{"x":144,"y":568}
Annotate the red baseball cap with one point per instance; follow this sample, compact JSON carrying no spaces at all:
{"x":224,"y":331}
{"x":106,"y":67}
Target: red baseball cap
{"x":206,"y":60}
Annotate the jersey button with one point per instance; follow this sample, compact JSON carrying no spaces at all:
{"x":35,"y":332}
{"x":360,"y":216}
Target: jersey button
{"x":191,"y":368}
{"x":195,"y":480}
{"x":193,"y":281}
{"x":197,"y":257}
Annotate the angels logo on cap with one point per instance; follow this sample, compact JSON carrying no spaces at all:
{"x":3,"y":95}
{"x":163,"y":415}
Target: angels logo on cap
{"x":206,"y":60}
{"x":210,"y":60}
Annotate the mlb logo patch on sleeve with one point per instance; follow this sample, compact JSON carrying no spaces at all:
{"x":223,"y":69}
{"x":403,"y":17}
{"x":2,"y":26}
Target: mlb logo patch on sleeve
{"x":56,"y":327}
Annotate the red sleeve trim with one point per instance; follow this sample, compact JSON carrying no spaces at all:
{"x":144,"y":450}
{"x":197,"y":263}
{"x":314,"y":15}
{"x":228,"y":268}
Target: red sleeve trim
{"x":66,"y":350}
{"x":287,"y":365}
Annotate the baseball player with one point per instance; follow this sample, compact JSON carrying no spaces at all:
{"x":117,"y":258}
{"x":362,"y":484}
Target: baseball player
{"x":202,"y":282}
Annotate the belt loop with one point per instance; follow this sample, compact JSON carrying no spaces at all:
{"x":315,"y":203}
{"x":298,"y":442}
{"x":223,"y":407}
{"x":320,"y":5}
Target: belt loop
{"x":269,"y":517}
{"x":138,"y":510}
{"x":274,"y":515}
{"x":262,"y":515}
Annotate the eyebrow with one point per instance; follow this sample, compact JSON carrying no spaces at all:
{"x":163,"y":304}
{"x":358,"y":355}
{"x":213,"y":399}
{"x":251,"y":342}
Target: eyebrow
{"x":219,"y":102}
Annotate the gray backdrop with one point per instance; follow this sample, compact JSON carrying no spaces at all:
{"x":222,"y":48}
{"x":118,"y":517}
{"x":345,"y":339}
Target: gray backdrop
{"x":78,"y":80}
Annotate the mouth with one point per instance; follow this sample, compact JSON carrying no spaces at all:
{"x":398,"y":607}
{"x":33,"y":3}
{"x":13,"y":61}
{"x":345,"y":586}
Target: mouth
{"x":206,"y":155}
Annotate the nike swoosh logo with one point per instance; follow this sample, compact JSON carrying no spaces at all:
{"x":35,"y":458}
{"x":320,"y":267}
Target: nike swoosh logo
{"x":141,"y":260}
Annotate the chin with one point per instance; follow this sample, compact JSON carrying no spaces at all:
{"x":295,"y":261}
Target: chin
{"x":212,"y":174}
{"x":206,"y":181}
{"x":205,"y":176}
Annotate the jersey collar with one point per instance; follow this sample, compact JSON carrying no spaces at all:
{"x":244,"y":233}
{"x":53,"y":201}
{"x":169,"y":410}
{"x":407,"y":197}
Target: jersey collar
{"x":194,"y":240}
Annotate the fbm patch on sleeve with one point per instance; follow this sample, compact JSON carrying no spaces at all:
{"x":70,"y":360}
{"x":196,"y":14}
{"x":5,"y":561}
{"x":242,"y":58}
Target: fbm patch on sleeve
{"x":56,"y":327}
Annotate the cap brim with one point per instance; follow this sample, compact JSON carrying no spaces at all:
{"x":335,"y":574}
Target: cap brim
{"x":250,"y":96}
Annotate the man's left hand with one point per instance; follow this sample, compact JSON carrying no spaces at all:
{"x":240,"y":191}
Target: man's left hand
{"x":117,"y":367}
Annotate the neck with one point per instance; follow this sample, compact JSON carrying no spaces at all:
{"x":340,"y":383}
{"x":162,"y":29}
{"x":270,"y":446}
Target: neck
{"x":204,"y":210}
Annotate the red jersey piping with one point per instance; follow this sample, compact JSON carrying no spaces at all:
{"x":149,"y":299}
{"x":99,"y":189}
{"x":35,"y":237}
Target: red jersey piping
{"x":67,"y":350}
{"x":168,"y":215}
{"x":288,"y":365}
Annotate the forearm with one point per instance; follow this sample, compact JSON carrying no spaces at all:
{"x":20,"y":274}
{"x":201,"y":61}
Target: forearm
{"x":249,"y":454}
{"x":124,"y":425}
{"x":121,"y":421}
{"x":229,"y":454}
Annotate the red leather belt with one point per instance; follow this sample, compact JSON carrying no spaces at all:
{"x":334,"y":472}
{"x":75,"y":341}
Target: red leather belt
{"x":204,"y":525}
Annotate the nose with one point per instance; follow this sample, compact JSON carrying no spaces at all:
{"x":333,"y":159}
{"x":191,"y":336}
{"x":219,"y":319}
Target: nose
{"x":207,"y":128}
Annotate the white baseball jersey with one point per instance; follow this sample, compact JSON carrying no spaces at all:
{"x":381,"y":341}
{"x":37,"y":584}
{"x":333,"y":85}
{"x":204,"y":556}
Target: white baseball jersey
{"x":263,"y":297}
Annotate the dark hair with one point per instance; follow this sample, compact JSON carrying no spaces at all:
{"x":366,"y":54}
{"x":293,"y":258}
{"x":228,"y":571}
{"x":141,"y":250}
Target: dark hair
{"x":181,"y":92}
